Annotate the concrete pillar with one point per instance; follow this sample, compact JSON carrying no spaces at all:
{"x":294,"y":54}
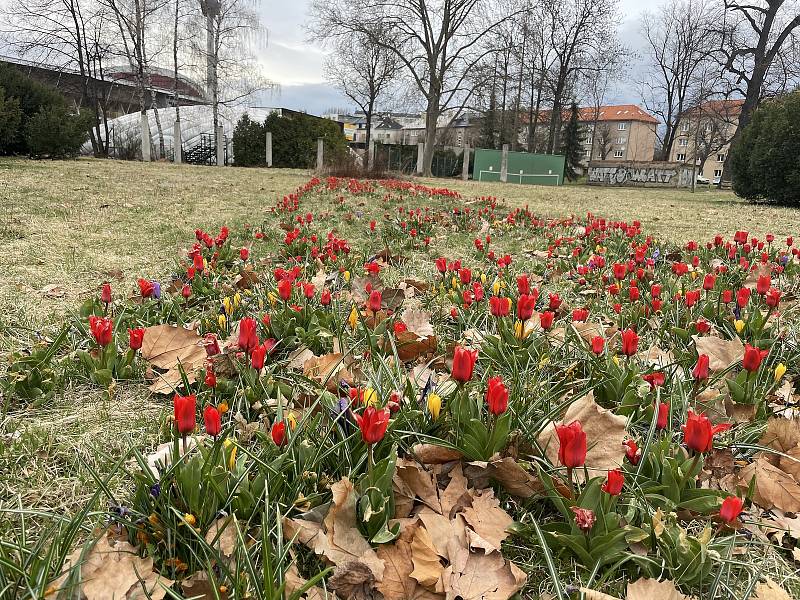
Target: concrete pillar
{"x":420,"y":157}
{"x":220,"y":146}
{"x":465,"y":166}
{"x":269,"y":149}
{"x":320,"y":153}
{"x":145,"y":125}
{"x":371,"y":155}
{"x":177,"y":140}
{"x":504,"y":164}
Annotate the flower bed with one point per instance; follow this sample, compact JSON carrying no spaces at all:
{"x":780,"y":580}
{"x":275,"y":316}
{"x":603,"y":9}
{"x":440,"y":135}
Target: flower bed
{"x":384,"y":389}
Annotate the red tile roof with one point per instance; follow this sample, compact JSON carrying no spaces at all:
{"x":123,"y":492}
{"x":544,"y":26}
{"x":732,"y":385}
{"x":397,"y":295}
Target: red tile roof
{"x":614,"y":112}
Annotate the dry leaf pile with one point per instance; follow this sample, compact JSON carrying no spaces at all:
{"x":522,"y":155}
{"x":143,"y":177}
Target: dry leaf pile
{"x":448,"y":548}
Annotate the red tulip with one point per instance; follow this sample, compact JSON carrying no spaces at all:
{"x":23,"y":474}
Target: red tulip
{"x":571,"y":444}
{"x":308,"y":290}
{"x":731,"y":509}
{"x":546,"y":319}
{"x":375,"y":300}
{"x":325,"y":297}
{"x":465,"y":275}
{"x":630,"y":342}
{"x":211,"y":344}
{"x":727,"y":296}
{"x":698,"y":433}
{"x":614,"y":482}
{"x":497,"y":396}
{"x":136,"y":337}
{"x":463,"y":364}
{"x":700,"y":371}
{"x":709,"y":281}
{"x":244,"y":253}
{"x":102,"y":329}
{"x":499,"y":306}
{"x":185,"y":407}
{"x":212,"y":421}
{"x":620,"y":270}
{"x":285,"y":289}
{"x":523,"y":285}
{"x":105,"y":293}
{"x":258,"y":355}
{"x":579,"y":315}
{"x":146,"y":288}
{"x":278,"y":433}
{"x":763,"y":284}
{"x":654,"y":379}
{"x":743,"y":297}
{"x":663,"y":416}
{"x":248,"y":334}
{"x":441,"y":265}
{"x":752,"y":358}
{"x":598,"y":344}
{"x":477,"y":291}
{"x":632,"y":452}
{"x":373,"y":424}
{"x":525,"y":306}
{"x":210,"y":379}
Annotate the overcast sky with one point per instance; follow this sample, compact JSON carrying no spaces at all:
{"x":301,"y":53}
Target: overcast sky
{"x":298,"y":66}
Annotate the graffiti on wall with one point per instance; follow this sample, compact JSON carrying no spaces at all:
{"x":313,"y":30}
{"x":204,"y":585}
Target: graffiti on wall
{"x":641,"y":174}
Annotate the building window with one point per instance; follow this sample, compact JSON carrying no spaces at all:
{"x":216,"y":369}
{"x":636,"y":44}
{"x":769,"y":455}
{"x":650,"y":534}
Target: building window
{"x":683,"y":142}
{"x":680,"y":157}
{"x":720,"y":158}
{"x":587,"y":153}
{"x":622,"y":126}
{"x":717,"y":172}
{"x":685,"y":126}
{"x":589,"y":139}
{"x":618,"y":153}
{"x":620,"y":140}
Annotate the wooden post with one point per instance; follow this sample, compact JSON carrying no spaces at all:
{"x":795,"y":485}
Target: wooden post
{"x":177,"y":148}
{"x":420,"y":157}
{"x":465,"y":166}
{"x":220,"y":146}
{"x":504,"y":164}
{"x":145,"y":125}
{"x":269,"y":149}
{"x":320,"y":153}
{"x":371,"y":155}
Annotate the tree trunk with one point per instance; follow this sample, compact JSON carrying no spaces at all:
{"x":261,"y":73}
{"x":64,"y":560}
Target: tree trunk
{"x":431,"y":121}
{"x":748,"y":107}
{"x":368,"y":136}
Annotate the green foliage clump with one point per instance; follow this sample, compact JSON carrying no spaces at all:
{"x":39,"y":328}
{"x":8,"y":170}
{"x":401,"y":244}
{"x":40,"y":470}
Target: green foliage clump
{"x":571,"y":147}
{"x":764,"y":160}
{"x":36,"y":120}
{"x":294,"y":141}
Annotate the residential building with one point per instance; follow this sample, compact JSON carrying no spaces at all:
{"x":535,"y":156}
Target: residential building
{"x":704,"y":135}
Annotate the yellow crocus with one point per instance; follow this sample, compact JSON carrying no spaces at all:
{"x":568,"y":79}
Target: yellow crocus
{"x":353,"y":318}
{"x":694,"y":275}
{"x":292,"y":420}
{"x":346,"y":275}
{"x":434,"y":404}
{"x":616,"y":360}
{"x":190,"y":519}
{"x":273,"y":299}
{"x":739,"y":324}
{"x":496,"y":287}
{"x":483,"y":278}
{"x":370,"y":397}
{"x":222,"y":321}
{"x":226,"y":303}
{"x":454,"y":282}
{"x":237,"y":300}
{"x":780,"y":370}
{"x":222,"y":408}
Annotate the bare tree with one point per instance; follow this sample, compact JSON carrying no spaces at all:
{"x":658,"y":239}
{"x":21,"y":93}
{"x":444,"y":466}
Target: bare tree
{"x":70,"y":34}
{"x":678,"y":47}
{"x":578,"y":29}
{"x":438,"y":42}
{"x":603,"y":139}
{"x":362,"y":71}
{"x":603,"y":70}
{"x":754,"y":35}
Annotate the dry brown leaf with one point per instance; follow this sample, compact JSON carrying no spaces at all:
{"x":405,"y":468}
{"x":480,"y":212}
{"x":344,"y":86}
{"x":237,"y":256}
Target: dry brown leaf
{"x":770,"y":591}
{"x":337,"y":538}
{"x":455,"y":495}
{"x":514,"y":479}
{"x":418,"y":322}
{"x":114,"y":570}
{"x":427,"y":567}
{"x":352,"y":580}
{"x":721,"y":353}
{"x":200,"y":587}
{"x":444,"y":532}
{"x":605,"y":433}
{"x":791,"y":462}
{"x":410,"y":346}
{"x":431,"y":454}
{"x":781,"y":434}
{"x":773,"y":487}
{"x":420,"y":481}
{"x":169,"y":382}
{"x":652,"y":589}
{"x":53,"y":291}
{"x":595,"y":595}
{"x":167,"y":346}
{"x":397,"y":583}
{"x":488,"y":522}
{"x":223,"y":534}
{"x":329,"y":370}
{"x":656,"y":357}
{"x":298,"y":358}
{"x":294,"y":582}
{"x":479,"y":576}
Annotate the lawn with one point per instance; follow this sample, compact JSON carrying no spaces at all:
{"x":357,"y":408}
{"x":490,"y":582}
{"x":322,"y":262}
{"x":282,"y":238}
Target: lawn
{"x":69,"y":226}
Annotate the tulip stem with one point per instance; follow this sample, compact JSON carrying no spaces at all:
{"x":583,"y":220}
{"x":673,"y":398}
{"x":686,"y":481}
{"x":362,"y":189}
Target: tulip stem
{"x":570,"y":485}
{"x":370,"y":461}
{"x":692,"y":466}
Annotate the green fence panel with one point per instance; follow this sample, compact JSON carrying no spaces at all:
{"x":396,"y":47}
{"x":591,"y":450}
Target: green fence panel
{"x":536,"y":169}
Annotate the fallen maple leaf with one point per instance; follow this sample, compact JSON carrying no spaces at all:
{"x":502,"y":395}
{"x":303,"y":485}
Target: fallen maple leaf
{"x":397,"y":583}
{"x":770,"y":591}
{"x":773,"y":487}
{"x":721,"y":353}
{"x":487,"y":521}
